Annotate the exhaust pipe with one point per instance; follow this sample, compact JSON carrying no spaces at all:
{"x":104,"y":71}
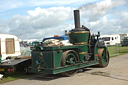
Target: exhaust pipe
{"x":77,"y":18}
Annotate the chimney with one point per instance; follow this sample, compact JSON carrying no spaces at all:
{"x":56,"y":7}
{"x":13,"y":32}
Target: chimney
{"x":77,"y":18}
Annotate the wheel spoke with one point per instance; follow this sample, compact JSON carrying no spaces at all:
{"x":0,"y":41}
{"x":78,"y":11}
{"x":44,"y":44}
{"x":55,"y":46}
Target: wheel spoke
{"x":68,"y":62}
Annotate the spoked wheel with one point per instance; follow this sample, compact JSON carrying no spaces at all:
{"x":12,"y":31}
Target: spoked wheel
{"x":69,"y":58}
{"x":103,"y":57}
{"x":26,"y":71}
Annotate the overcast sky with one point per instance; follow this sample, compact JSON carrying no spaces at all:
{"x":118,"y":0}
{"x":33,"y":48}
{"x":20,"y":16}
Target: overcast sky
{"x":36,"y":19}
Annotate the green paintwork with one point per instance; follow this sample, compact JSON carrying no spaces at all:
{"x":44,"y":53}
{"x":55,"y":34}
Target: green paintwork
{"x":96,"y":51}
{"x":78,"y":37}
{"x":48,"y":60}
{"x":83,"y":49}
{"x":0,"y":59}
{"x":62,"y":47}
{"x":68,"y":68}
{"x":79,"y":49}
{"x":51,"y":60}
{"x":35,"y":58}
{"x":105,"y":57}
{"x":57,"y":58}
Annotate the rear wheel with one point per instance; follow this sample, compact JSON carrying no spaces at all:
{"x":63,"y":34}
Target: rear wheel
{"x":103,"y":57}
{"x":69,"y":58}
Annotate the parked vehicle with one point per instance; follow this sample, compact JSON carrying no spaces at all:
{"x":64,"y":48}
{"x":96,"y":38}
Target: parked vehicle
{"x":11,"y":59}
{"x":124,"y":41}
{"x":9,"y":46}
{"x":63,"y":37}
{"x":111,"y":39}
{"x":36,"y":43}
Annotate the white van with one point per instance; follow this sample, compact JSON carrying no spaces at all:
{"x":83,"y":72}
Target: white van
{"x":111,"y":39}
{"x":9,"y":46}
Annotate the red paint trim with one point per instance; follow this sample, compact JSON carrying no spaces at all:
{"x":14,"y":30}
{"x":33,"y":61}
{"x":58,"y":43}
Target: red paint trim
{"x":96,"y":55}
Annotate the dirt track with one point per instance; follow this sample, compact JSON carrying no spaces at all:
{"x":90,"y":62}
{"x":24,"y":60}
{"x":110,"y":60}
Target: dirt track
{"x":115,"y":74}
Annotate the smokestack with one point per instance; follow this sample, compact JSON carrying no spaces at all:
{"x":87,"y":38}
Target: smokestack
{"x":77,"y":18}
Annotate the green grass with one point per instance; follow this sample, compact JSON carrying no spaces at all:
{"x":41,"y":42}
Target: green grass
{"x":117,"y":50}
{"x":13,"y":76}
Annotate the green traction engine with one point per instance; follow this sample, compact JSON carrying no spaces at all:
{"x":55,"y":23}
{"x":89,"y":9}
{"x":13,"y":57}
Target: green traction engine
{"x":86,"y":51}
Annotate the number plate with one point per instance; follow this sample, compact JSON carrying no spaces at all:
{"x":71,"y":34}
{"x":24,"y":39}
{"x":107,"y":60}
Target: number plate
{"x":1,"y":69}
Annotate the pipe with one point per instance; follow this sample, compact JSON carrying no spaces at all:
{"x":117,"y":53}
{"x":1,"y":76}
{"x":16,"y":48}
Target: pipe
{"x":77,"y":18}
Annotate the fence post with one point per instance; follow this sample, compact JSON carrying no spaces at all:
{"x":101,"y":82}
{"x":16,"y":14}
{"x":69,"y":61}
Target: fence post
{"x":117,"y":50}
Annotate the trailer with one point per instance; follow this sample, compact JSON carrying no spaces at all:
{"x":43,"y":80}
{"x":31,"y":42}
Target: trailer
{"x":11,"y":59}
{"x":85,"y":50}
{"x":16,"y":65}
{"x":9,"y":46}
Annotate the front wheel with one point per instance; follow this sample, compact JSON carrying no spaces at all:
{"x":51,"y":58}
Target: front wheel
{"x":103,"y":57}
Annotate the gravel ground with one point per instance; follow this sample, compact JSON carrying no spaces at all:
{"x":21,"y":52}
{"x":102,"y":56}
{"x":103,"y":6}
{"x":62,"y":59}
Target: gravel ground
{"x":115,"y":74}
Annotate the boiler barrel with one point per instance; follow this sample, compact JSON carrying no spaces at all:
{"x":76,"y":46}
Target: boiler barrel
{"x":79,"y":37}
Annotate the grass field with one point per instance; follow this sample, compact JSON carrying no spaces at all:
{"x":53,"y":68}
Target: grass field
{"x":113,"y":51}
{"x":117,"y":50}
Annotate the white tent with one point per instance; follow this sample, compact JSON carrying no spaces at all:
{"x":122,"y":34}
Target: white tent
{"x":9,"y":46}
